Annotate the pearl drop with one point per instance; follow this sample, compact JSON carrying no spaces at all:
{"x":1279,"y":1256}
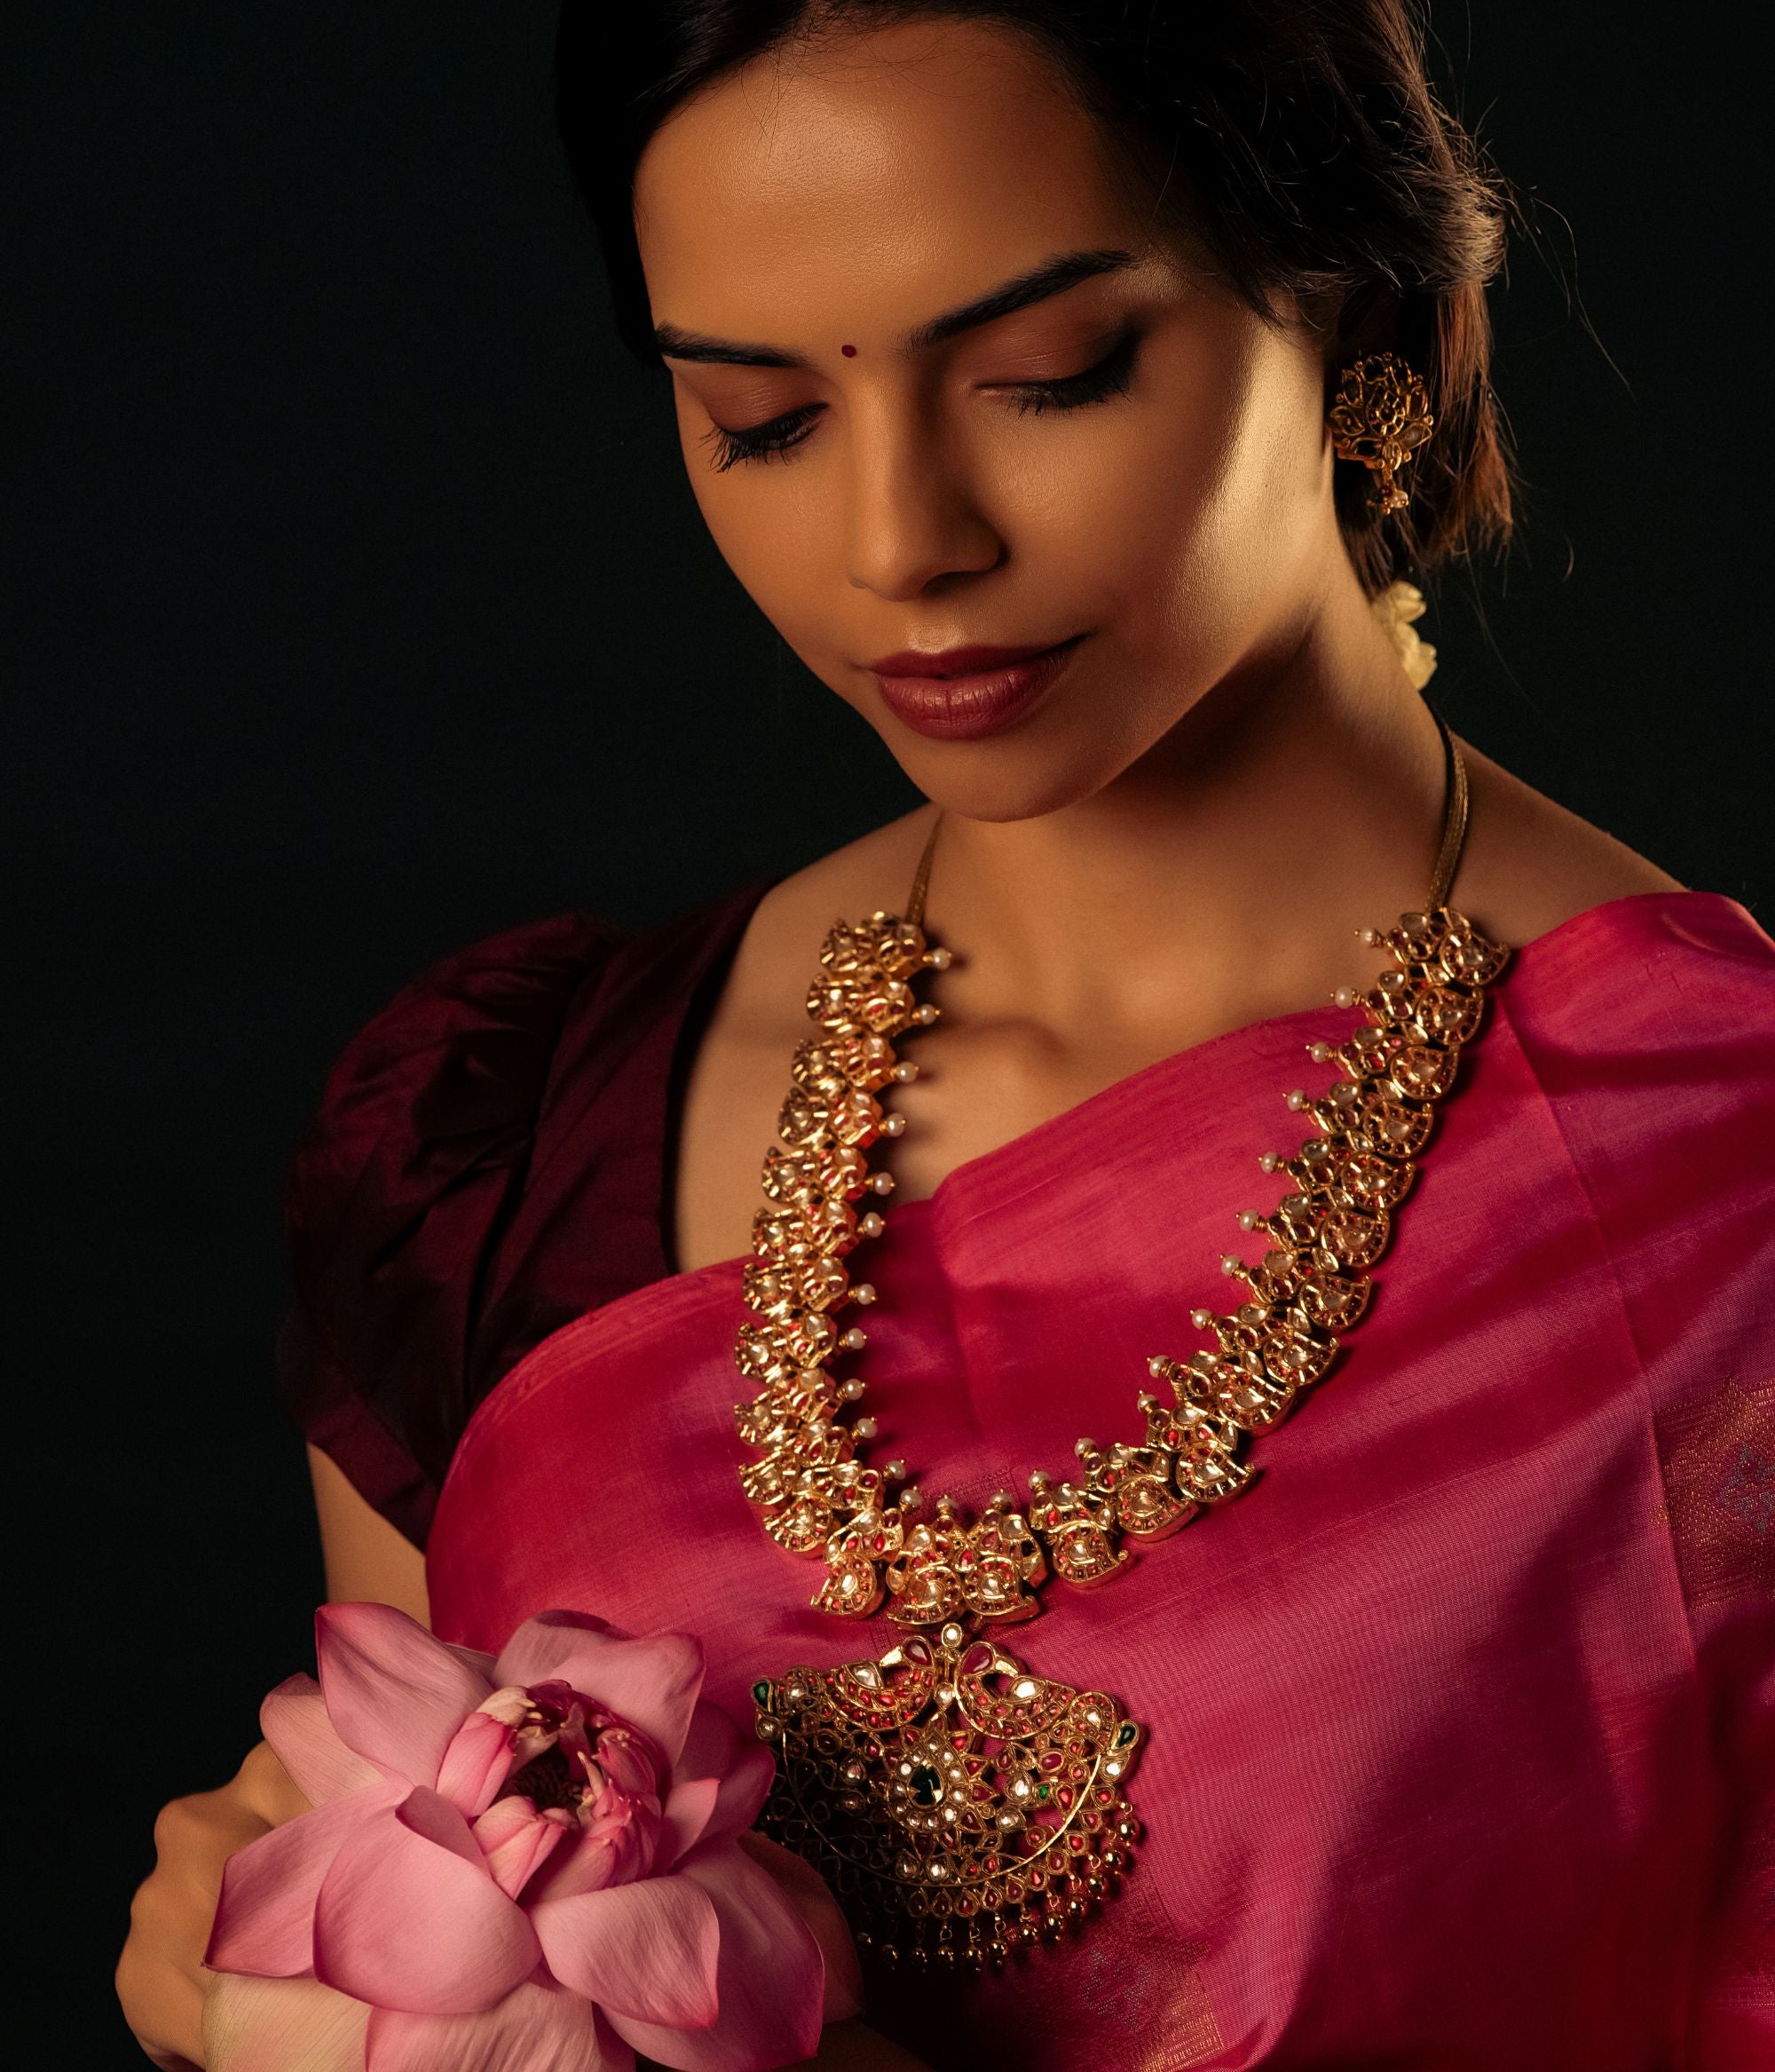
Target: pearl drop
{"x":1155,"y":1366}
{"x":854,"y":1341}
{"x":1345,"y":996}
{"x":927,"y":1014}
{"x":864,"y":1428}
{"x":1228,"y":1264}
{"x":938,"y":960}
{"x":1201,"y":1318}
{"x":871,"y":1225}
{"x":1297,"y":1099}
{"x":1248,"y":1219}
{"x":1320,"y":1053}
{"x":1269,"y":1161}
{"x":850,"y":1391}
{"x":905,"y":1073}
{"x":895,"y":1470}
{"x":863,"y":1292}
{"x":881,"y":1183}
{"x":1371,"y":938}
{"x":894,"y":1126}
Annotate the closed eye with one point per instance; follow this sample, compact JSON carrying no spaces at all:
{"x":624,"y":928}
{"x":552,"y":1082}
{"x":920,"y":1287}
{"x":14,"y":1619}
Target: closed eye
{"x":1109,"y":377}
{"x":759,"y":442}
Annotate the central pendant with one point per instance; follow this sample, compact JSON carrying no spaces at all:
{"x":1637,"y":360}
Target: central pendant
{"x":959,"y":1806}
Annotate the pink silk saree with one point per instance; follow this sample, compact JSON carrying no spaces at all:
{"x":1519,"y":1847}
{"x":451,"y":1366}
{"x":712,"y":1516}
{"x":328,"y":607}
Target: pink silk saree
{"x":1461,"y":1724}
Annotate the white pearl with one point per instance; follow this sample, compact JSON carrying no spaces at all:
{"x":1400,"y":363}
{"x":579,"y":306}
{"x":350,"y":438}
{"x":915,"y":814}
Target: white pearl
{"x":881,"y":1183}
{"x":938,"y":960}
{"x":854,"y":1341}
{"x":1269,"y":1161}
{"x":1345,"y":996}
{"x":1228,"y":1264}
{"x":905,"y":1073}
{"x":1201,"y":1318}
{"x":1371,"y":938}
{"x":871,"y":1225}
{"x":864,"y":1428}
{"x":1320,"y":1053}
{"x":863,"y":1292}
{"x":1248,"y":1219}
{"x":1296,"y":1100}
{"x":927,"y":1014}
{"x":893,"y":1124}
{"x":851,"y":1390}
{"x":895,"y":1470}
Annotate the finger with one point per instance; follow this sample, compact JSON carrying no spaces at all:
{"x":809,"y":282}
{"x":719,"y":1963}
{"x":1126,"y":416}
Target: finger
{"x":163,"y":2008}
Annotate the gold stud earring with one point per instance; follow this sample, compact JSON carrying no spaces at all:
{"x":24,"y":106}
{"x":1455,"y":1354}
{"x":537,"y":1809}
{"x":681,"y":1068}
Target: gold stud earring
{"x":1381,"y":417}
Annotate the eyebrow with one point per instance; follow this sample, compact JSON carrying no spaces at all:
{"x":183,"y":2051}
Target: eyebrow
{"x":1053,"y":277}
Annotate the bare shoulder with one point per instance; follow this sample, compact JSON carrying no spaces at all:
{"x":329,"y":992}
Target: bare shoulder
{"x":1531,"y":864}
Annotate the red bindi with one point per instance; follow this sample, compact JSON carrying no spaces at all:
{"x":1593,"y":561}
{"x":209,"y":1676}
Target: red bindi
{"x":850,"y":351}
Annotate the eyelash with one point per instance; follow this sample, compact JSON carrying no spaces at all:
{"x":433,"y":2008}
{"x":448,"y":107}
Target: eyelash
{"x":1110,"y":376}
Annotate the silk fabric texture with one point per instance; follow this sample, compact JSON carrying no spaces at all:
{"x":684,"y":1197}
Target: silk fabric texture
{"x":1459,"y":1719}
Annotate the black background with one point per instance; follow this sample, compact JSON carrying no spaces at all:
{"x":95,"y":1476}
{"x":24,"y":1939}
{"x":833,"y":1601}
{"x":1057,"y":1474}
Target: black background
{"x":355,"y":607}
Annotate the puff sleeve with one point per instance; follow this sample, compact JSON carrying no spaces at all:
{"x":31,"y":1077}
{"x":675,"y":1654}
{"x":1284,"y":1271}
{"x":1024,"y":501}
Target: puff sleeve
{"x":399,"y":1193}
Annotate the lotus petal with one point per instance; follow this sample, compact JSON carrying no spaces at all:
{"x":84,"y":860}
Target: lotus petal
{"x":688,"y":1811}
{"x":409,"y":1917}
{"x":477,"y":1764}
{"x":264,"y":1918}
{"x":394,"y":1692}
{"x":537,"y":2028}
{"x":292,"y":1718}
{"x":770,"y":1983}
{"x":516,"y":1838}
{"x":281,"y":2025}
{"x":647,"y":1950}
{"x":714,"y":1747}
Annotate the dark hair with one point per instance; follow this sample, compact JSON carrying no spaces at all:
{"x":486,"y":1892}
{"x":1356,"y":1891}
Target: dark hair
{"x":1306,"y":130}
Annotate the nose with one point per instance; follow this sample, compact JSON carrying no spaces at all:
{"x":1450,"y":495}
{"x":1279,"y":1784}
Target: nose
{"x":914,"y":519}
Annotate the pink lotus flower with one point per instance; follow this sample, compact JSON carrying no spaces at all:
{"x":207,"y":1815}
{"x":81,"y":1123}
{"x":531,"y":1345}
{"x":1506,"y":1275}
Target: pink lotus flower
{"x":532,"y":1861}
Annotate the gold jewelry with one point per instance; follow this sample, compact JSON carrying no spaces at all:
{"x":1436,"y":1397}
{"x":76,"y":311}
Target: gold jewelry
{"x":958,"y":1805}
{"x":1380,"y":418}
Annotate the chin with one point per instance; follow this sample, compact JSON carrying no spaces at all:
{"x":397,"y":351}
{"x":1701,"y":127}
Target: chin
{"x":1007,"y":776}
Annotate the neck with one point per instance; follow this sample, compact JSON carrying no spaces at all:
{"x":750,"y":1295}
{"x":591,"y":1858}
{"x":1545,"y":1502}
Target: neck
{"x":1297,"y":802}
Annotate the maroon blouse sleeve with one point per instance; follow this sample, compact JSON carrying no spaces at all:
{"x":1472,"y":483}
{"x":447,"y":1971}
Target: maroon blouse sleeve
{"x":489,"y":1162}
{"x":398,"y":1192}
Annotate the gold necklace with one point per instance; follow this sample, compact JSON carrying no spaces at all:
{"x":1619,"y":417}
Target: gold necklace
{"x":958,"y":1805}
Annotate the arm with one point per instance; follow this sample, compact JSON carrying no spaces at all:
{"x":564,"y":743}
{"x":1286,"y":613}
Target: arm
{"x":161,"y":1977}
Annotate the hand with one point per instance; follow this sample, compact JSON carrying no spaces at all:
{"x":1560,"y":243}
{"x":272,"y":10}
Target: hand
{"x":161,"y":1977}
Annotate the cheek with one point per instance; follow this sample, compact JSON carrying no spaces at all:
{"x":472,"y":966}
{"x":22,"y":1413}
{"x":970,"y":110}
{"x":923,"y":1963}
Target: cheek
{"x":775,"y":533}
{"x":1218,"y":500}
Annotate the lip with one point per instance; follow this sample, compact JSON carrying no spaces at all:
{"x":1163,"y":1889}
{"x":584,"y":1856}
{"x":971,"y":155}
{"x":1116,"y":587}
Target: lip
{"x":966,"y":693}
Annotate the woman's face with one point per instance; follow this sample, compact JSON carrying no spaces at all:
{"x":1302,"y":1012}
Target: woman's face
{"x":1134,"y":463}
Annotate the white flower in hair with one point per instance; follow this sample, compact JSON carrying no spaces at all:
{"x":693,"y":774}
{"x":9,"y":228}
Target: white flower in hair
{"x":1395,"y":609}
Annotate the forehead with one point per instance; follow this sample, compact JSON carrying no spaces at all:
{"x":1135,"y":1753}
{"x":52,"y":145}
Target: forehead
{"x":898,"y":170}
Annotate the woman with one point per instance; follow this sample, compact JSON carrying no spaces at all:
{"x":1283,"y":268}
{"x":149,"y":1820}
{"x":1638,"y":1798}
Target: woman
{"x":1031,"y":329}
